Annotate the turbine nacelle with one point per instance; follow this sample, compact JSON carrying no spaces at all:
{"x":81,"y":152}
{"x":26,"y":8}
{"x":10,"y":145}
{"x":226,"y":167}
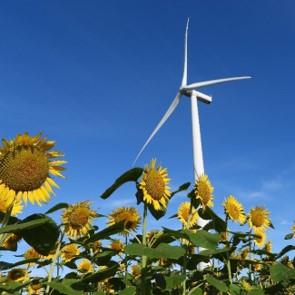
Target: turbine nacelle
{"x":197,"y":94}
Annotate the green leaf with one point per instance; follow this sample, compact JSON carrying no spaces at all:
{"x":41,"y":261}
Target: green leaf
{"x":196,"y":291}
{"x":42,"y":238}
{"x":16,"y":228}
{"x":131,"y":175}
{"x":128,"y":291}
{"x":203,"y":239}
{"x":285,"y":250}
{"x":174,"y":280}
{"x":57,"y":207}
{"x":162,"y":251}
{"x":183,"y":187}
{"x":234,"y":289}
{"x":64,"y":287}
{"x":289,"y":236}
{"x":107,"y":232}
{"x":219,"y":285}
{"x":256,"y":291}
{"x":214,"y":251}
{"x":280,"y":272}
{"x":219,"y":223}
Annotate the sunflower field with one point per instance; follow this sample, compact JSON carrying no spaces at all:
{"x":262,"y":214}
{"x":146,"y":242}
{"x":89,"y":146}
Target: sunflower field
{"x":73,"y":255}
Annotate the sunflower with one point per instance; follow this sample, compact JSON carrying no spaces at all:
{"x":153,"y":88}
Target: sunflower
{"x":234,"y":209}
{"x":78,"y":219}
{"x":69,"y":251}
{"x":259,"y":218}
{"x":128,"y":216}
{"x":136,"y":270}
{"x":260,"y":238}
{"x":244,"y":253}
{"x":204,"y":190}
{"x":293,"y":229}
{"x":18,"y":275}
{"x":85,"y":266}
{"x":187,"y":215}
{"x":117,"y":245}
{"x":26,"y":168}
{"x":31,"y":253}
{"x":35,"y":288}
{"x":246,"y":285}
{"x":10,"y":242}
{"x":7,"y":203}
{"x":268,"y":247}
{"x":154,"y":185}
{"x":96,"y":246}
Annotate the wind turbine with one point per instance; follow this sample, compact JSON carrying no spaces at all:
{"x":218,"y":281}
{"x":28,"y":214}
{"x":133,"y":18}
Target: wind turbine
{"x":192,"y":92}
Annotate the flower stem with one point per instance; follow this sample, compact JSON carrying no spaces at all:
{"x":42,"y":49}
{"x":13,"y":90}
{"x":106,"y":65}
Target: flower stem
{"x":5,"y":221}
{"x":144,"y":258}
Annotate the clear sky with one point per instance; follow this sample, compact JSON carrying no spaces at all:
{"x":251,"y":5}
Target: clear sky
{"x":96,"y":76}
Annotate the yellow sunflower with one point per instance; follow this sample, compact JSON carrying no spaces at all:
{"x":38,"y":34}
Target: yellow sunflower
{"x":154,"y":185}
{"x":35,"y":288}
{"x":69,"y":251}
{"x":204,"y":190}
{"x":246,"y":285}
{"x":85,"y":266}
{"x":128,"y":215}
{"x":136,"y":270}
{"x":260,"y":238}
{"x":30,"y":254}
{"x":234,"y":209}
{"x":7,"y":203}
{"x":26,"y":168}
{"x":78,"y":219}
{"x":244,"y":253}
{"x":188,"y":216}
{"x":19,"y":275}
{"x":10,"y":242}
{"x":259,"y":218}
{"x":268,"y":247}
{"x":293,"y":229}
{"x":117,"y":245}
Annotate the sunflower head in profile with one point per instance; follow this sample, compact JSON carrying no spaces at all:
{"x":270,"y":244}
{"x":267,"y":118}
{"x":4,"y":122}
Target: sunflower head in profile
{"x":68,"y":252}
{"x":234,"y":209}
{"x":293,"y":230}
{"x":246,"y":285}
{"x":31,"y":253}
{"x":154,"y":185}
{"x":35,"y":288}
{"x":259,"y":218}
{"x":78,"y":219}
{"x":260,"y":237}
{"x":10,"y":242}
{"x":117,"y":245}
{"x":128,"y":216}
{"x":85,"y":266}
{"x":187,"y":215}
{"x":244,"y":253}
{"x":19,"y":275}
{"x":136,"y":270}
{"x":204,"y":191}
{"x":268,"y":247}
{"x":27,"y":165}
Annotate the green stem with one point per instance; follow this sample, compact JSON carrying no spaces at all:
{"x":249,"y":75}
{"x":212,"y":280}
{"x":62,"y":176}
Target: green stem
{"x":228,"y":263}
{"x":54,"y":263}
{"x":144,"y":258}
{"x":126,"y":265}
{"x":6,"y":220}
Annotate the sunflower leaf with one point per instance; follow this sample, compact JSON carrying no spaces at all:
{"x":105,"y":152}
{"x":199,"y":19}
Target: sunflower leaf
{"x":130,"y":175}
{"x":42,"y":238}
{"x":218,"y":284}
{"x":183,"y":187}
{"x":280,"y":272}
{"x":57,"y":207}
{"x":203,"y":239}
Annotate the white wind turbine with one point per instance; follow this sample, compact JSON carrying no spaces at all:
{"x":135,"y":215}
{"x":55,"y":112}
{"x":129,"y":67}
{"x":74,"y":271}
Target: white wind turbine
{"x":191,"y":91}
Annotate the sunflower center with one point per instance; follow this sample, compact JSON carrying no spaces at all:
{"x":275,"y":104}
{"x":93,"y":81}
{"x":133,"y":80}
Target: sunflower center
{"x":155,"y":185}
{"x":79,"y":217}
{"x":16,"y":274}
{"x":234,"y":212}
{"x":258,"y":219}
{"x":24,"y":170}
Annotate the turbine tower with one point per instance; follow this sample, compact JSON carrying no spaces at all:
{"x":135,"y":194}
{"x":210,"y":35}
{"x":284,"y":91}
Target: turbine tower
{"x":191,"y":91}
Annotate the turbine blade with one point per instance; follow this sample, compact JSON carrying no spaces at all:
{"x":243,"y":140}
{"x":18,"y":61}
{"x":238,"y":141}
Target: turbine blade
{"x":184,"y":75}
{"x":213,"y":82}
{"x":170,"y":110}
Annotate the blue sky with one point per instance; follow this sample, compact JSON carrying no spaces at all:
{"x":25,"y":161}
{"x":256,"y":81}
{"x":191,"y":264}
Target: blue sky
{"x":97,"y":76}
